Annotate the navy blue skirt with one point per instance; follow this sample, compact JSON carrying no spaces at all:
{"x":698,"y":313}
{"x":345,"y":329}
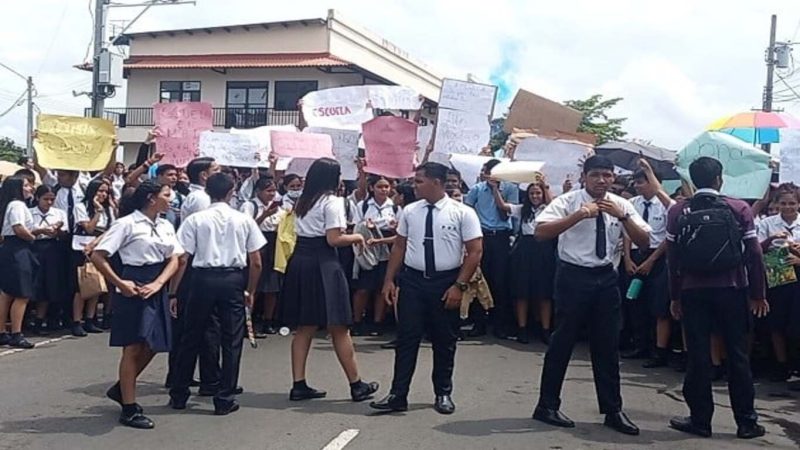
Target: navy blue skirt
{"x":137,"y":320}
{"x":533,"y":268}
{"x":19,"y":266}
{"x":315,"y":290}
{"x":51,"y":280}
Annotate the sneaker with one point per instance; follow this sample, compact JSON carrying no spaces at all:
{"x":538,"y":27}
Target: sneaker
{"x":19,"y":341}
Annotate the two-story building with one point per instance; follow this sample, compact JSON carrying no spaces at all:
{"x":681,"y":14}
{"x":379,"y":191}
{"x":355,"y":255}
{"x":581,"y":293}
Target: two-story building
{"x":254,"y":74}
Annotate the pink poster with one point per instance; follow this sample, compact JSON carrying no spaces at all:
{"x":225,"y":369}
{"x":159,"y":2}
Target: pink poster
{"x":301,"y":145}
{"x":390,"y":146}
{"x":179,"y":127}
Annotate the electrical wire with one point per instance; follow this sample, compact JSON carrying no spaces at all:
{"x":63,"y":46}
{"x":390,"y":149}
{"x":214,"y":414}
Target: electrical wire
{"x":18,"y":102}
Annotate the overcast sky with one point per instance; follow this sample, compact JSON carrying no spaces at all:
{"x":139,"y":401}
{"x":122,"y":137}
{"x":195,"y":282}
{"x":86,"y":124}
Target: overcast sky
{"x":679,"y":64}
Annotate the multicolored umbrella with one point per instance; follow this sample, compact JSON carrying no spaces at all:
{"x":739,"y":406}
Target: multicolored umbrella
{"x":755,"y":127}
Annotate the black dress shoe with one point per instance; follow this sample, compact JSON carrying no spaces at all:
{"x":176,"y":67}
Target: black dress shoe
{"x":306,"y":393}
{"x":686,"y":425}
{"x":363,"y":391}
{"x":476,"y":331}
{"x":523,"y":337}
{"x":90,"y":327}
{"x":137,"y":420}
{"x":177,"y":404}
{"x":546,"y":337}
{"x":390,"y":403}
{"x":620,"y":422}
{"x":5,"y":338}
{"x":552,"y":417}
{"x":78,"y":331}
{"x":238,"y":390}
{"x":750,"y":431}
{"x":635,"y":354}
{"x":357,"y":330}
{"x":269,"y":328}
{"x":655,"y":363}
{"x":260,"y":335}
{"x":19,"y":341}
{"x":225,"y":410}
{"x":444,"y":404}
{"x":390,"y":345}
{"x":194,"y":383}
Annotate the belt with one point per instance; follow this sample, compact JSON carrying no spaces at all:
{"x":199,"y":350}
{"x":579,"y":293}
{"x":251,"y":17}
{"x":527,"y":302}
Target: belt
{"x":601,"y":269}
{"x":435,"y":275}
{"x":488,"y":232}
{"x":218,"y":269}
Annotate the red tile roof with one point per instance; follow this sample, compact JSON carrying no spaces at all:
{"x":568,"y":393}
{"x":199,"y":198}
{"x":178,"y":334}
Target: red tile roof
{"x":230,"y":61}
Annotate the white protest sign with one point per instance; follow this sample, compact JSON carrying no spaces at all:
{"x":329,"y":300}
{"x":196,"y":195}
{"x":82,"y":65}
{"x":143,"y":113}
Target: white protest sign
{"x":424,"y":135}
{"x":470,"y":166}
{"x":790,"y":156}
{"x":518,"y":171}
{"x":561,"y":159}
{"x":345,"y":148}
{"x":261,"y":134}
{"x":340,"y":108}
{"x":231,"y":150}
{"x":465,"y":96}
{"x":299,"y":166}
{"x":393,"y":97}
{"x":461,"y":132}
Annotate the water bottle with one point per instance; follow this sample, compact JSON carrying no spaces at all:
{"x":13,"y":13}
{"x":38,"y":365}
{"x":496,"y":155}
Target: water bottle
{"x":634,"y":289}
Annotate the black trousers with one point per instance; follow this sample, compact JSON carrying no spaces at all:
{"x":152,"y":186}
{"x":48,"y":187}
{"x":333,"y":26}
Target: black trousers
{"x":728,"y":308}
{"x":420,"y":309}
{"x":494,"y":264}
{"x":222,"y":290}
{"x":652,"y":302}
{"x":585,"y":296}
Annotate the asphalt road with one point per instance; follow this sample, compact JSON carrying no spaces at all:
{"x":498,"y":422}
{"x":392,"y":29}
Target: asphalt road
{"x":53,"y":398}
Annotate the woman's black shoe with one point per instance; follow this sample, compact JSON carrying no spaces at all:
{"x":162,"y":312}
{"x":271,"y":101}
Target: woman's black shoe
{"x":136,"y":420}
{"x":357,"y":330}
{"x":77,"y":330}
{"x":19,"y":341}
{"x":5,"y":338}
{"x":389,"y":345}
{"x":363,"y":391}
{"x":546,"y":337}
{"x":305,"y":393}
{"x":39,"y":328}
{"x":270,"y":328}
{"x":522,"y":336}
{"x":90,"y":327}
{"x":105,"y":324}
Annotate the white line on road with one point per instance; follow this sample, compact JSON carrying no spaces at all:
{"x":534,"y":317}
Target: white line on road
{"x":340,"y":441}
{"x":38,"y":344}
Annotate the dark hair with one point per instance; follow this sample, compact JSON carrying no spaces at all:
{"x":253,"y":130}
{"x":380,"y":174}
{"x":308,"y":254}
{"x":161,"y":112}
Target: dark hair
{"x":451,"y":192}
{"x":164,"y":168}
{"x":10,"y":191}
{"x":91,"y":190}
{"x":138,"y":200}
{"x":787,"y":189}
{"x":435,"y":171}
{"x":26,"y":173}
{"x":23,"y":160}
{"x":528,"y":212}
{"x":406,"y":189}
{"x":452,"y":171}
{"x":372,"y":180}
{"x":43,"y":190}
{"x":196,"y":166}
{"x":263,"y":183}
{"x":491,"y":165}
{"x":642,"y":175}
{"x":322,"y":179}
{"x":597,"y":162}
{"x":286,"y":180}
{"x":704,"y":171}
{"x":219,"y":185}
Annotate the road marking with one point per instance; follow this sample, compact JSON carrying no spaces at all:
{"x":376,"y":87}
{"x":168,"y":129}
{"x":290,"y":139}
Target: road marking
{"x":38,"y":344}
{"x":340,"y":441}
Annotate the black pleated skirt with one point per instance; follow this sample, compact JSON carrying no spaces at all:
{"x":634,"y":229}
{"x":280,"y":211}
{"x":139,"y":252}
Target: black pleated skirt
{"x":533,"y":268}
{"x":51,"y":280}
{"x":270,"y":281}
{"x":315,"y":290}
{"x":137,"y":320}
{"x":18,"y":267}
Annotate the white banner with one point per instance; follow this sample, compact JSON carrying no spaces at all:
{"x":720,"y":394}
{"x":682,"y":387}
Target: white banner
{"x":393,"y":97}
{"x":790,"y":156}
{"x":461,"y":132}
{"x":233,"y":150}
{"x":350,"y":106}
{"x":561,"y":159}
{"x":465,"y":96}
{"x":470,"y":166}
{"x":261,"y":134}
{"x":345,"y":148}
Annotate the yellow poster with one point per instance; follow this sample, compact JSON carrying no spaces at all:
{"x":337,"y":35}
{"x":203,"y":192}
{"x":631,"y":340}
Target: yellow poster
{"x":73,"y":143}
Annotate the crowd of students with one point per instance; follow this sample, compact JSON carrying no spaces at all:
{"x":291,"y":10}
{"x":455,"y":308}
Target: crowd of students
{"x":50,"y":231}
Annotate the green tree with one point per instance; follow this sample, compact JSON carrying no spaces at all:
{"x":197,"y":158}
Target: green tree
{"x":10,"y":151}
{"x":595,"y":118}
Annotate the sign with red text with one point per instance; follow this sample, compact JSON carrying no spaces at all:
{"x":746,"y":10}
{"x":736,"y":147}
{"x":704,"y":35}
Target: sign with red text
{"x":301,"y":145}
{"x":179,"y":127}
{"x":390,"y":146}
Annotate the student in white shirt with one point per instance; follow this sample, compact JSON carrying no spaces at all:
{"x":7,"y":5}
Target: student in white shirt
{"x":315,"y":291}
{"x":378,"y":213}
{"x":293,"y":189}
{"x":51,"y":278}
{"x":118,"y":179}
{"x":149,"y":250}
{"x":223,"y":242}
{"x":198,"y":170}
{"x":17,"y":260}
{"x":589,"y":224}
{"x":263,"y":208}
{"x":775,"y":232}
{"x":532,"y":261}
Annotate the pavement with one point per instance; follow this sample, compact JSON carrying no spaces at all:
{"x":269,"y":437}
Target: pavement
{"x":52,"y":397}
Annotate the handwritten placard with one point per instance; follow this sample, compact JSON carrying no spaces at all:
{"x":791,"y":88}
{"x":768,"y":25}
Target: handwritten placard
{"x":424,"y":136}
{"x":390,"y":146}
{"x":465,"y":96}
{"x":393,"y":97}
{"x":461,"y":132}
{"x":562,"y":160}
{"x":790,"y":156}
{"x":340,"y":108}
{"x":180,"y":125}
{"x":73,"y":143}
{"x":301,"y":145}
{"x":233,"y":150}
{"x":345,"y":148}
{"x":745,"y":169}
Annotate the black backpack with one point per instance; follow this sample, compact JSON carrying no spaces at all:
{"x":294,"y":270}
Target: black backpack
{"x":709,"y":237}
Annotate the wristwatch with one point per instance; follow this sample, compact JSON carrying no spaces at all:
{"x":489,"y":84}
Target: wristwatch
{"x":461,"y":286}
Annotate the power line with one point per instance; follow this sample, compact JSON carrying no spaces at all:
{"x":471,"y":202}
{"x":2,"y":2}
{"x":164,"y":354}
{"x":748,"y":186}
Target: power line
{"x":797,"y":96}
{"x":53,"y":39}
{"x":18,"y":102}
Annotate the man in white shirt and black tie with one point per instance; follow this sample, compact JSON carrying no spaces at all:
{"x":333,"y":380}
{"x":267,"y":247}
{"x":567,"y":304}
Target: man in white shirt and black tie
{"x":589,"y":224}
{"x":429,"y":256}
{"x":221,"y":240}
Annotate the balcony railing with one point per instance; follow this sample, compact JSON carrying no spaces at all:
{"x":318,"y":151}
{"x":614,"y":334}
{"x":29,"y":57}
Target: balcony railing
{"x":221,"y":117}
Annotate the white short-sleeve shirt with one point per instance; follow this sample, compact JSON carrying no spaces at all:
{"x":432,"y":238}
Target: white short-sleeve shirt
{"x":47,"y":219}
{"x":327,"y":214}
{"x":82,"y":216}
{"x":254,"y":208}
{"x":657,"y":218}
{"x":772,"y":225}
{"x":62,"y":197}
{"x":383,"y":216}
{"x":454,"y":224}
{"x":220,"y":237}
{"x":527,"y":227}
{"x":140,"y":241}
{"x":17,"y":213}
{"x":197,"y":200}
{"x":577,"y":245}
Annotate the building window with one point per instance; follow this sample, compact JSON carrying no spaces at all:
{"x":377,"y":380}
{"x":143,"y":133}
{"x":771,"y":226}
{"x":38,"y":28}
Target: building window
{"x":246,"y":104}
{"x":180,"y":91}
{"x":288,"y":93}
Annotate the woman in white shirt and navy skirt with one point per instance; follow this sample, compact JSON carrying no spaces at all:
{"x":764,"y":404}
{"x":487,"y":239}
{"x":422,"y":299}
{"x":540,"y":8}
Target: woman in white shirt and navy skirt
{"x":17,"y":260}
{"x":315,"y":290}
{"x":141,"y":325}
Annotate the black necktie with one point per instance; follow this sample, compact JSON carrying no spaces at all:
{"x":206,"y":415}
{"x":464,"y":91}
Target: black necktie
{"x":600,"y":237}
{"x":430,"y":261}
{"x":70,"y":212}
{"x":646,"y":213}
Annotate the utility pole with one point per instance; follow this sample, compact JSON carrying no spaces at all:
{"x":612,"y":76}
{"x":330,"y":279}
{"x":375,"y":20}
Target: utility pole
{"x":767,"y":101}
{"x":29,"y":146}
{"x":98,"y":91}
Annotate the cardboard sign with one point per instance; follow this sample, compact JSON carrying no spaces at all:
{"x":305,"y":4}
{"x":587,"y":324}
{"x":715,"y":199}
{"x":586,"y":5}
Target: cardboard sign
{"x":345,"y":148}
{"x":73,"y":143}
{"x":232,"y":150}
{"x":301,"y":145}
{"x":390,"y":146}
{"x":532,"y":112}
{"x":562,"y":160}
{"x":465,"y":96}
{"x":180,"y":125}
